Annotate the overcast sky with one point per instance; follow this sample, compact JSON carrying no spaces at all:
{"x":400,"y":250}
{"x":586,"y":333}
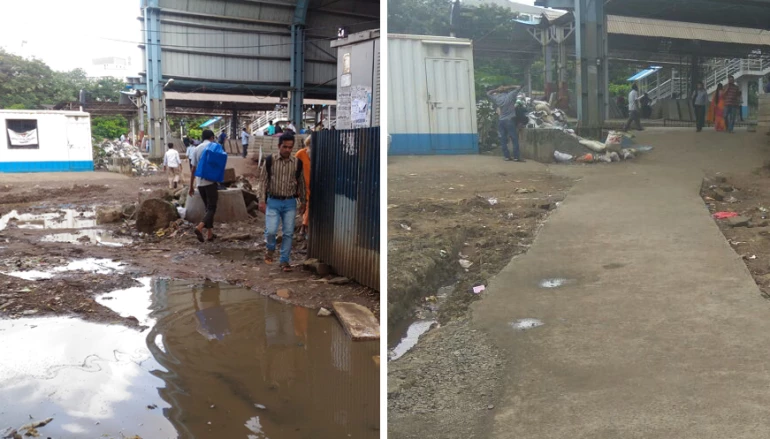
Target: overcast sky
{"x":68,"y":35}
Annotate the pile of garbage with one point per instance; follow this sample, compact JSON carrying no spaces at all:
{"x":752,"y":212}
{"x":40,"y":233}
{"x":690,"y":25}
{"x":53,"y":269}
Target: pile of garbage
{"x":541,"y":116}
{"x":111,"y":149}
{"x":617,"y":147}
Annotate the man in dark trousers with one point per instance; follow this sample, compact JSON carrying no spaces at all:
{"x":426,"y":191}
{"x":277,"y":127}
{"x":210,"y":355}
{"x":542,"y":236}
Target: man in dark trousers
{"x":282,"y":182}
{"x":732,"y":96}
{"x":222,"y":137}
{"x":505,"y":100}
{"x":207,"y":189}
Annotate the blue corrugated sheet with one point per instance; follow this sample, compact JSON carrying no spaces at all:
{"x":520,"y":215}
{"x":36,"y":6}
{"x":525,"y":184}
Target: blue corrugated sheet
{"x":64,"y":166}
{"x":644,"y":73}
{"x":345,"y":203}
{"x":209,"y":122}
{"x":429,"y":144}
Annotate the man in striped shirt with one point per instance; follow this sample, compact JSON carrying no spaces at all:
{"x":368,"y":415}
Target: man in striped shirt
{"x":732,"y":96}
{"x":282,"y":182}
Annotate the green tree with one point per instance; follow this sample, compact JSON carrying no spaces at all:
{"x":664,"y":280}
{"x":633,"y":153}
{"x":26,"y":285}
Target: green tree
{"x":108,"y":127}
{"x":419,"y":17}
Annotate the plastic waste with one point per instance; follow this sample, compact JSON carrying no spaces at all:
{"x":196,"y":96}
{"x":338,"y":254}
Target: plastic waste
{"x":561,"y":157}
{"x":588,"y":158}
{"x":593,"y":145}
{"x":725,"y":215}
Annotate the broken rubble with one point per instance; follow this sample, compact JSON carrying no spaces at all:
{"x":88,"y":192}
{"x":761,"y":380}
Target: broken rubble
{"x":738,"y":221}
{"x":155,"y":214}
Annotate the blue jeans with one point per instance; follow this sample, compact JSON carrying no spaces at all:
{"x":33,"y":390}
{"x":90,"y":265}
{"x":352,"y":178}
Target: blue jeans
{"x":731,"y":113}
{"x":283,"y":211}
{"x":507,"y":129}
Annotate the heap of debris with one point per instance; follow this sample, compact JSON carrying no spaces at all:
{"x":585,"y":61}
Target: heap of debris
{"x":618,"y":146}
{"x":541,"y":116}
{"x":109,"y":150}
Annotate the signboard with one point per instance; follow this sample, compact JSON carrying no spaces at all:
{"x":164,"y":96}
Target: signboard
{"x":346,"y":80}
{"x":26,"y":138}
{"x":346,"y":63}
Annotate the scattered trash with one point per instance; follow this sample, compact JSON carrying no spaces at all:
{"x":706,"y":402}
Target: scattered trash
{"x":561,"y":157}
{"x":731,"y":200}
{"x":323,"y":312}
{"x":492,"y":201}
{"x":593,"y":145}
{"x":524,"y":324}
{"x":108,"y":150}
{"x":406,"y":227}
{"x":724,"y":215}
{"x":443,"y":253}
{"x":466,"y":264}
{"x":478,"y":289}
{"x":260,"y":406}
{"x":752,"y":257}
{"x":524,"y":190}
{"x":588,"y":158}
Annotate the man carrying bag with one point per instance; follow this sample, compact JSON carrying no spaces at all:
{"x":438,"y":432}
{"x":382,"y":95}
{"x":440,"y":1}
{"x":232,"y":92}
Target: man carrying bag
{"x":209,"y":161}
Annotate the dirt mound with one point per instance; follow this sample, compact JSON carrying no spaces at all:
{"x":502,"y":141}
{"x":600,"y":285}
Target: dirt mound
{"x":155,"y":214}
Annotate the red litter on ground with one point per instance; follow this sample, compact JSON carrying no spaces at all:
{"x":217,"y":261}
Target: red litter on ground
{"x":725,"y":215}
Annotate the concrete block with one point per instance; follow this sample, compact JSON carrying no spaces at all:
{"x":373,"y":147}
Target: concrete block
{"x":229,"y":176}
{"x":230,"y":207}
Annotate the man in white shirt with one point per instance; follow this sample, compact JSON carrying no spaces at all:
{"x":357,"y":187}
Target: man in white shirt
{"x":172,"y":164}
{"x":633,"y":109}
{"x":245,"y":141}
{"x":291,"y":127}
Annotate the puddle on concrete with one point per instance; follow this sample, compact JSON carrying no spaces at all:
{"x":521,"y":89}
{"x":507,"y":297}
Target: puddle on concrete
{"x":217,"y":361}
{"x":553,"y":283}
{"x":91,"y":265}
{"x":88,"y":236}
{"x":61,"y":219}
{"x":409,"y":341}
{"x":524,"y":324}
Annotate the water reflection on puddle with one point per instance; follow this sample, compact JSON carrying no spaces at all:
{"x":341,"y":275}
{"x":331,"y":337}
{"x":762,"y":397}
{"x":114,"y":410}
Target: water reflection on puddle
{"x":61,"y":219}
{"x":409,"y":341}
{"x":89,"y":236}
{"x":217,"y":361}
{"x":91,"y":265}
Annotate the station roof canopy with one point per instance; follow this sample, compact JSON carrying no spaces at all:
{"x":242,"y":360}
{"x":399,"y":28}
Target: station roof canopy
{"x":738,"y":13}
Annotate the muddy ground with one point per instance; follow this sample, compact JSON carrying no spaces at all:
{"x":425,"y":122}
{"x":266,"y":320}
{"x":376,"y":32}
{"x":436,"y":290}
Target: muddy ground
{"x":438,"y":215}
{"x":235,"y":258}
{"x":748,"y":195}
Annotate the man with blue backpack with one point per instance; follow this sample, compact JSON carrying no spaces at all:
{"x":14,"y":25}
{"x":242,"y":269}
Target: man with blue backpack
{"x":282,"y":183}
{"x":208,"y":162}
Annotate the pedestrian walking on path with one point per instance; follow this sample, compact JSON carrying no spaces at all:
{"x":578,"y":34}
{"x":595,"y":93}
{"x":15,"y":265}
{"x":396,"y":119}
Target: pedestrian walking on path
{"x":717,"y":109}
{"x":304,"y":156}
{"x":732,"y":95}
{"x":633,"y":109}
{"x":700,"y":99}
{"x":282,"y":184}
{"x":172,"y":164}
{"x":505,"y":100}
{"x":245,"y":136}
{"x":207,"y":188}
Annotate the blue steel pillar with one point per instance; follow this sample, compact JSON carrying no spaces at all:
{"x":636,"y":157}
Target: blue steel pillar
{"x":298,"y":63}
{"x":154,"y":77}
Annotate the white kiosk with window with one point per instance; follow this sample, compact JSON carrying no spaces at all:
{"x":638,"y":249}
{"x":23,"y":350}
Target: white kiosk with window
{"x":45,"y":141}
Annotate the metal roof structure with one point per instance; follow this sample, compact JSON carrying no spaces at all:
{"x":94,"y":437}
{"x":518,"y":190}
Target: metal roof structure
{"x":656,"y":28}
{"x":268,"y":48}
{"x":739,"y":13}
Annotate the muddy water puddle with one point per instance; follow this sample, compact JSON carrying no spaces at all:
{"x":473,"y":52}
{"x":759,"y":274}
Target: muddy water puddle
{"x":91,"y":265}
{"x":215,"y":361}
{"x":88,"y":237}
{"x":61,"y":219}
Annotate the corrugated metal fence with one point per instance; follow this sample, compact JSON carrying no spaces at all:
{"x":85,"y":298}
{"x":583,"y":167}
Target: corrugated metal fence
{"x":345,"y":203}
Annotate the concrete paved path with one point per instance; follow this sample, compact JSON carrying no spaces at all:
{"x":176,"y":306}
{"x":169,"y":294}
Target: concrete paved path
{"x":661,"y":331}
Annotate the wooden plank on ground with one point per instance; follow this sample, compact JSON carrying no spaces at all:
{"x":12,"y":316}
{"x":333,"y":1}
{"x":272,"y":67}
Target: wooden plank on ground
{"x":357,"y":320}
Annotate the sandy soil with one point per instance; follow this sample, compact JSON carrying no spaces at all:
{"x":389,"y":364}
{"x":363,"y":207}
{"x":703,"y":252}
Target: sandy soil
{"x":176,"y":254}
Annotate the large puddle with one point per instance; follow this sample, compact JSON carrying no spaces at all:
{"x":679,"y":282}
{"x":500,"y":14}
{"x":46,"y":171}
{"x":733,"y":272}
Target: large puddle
{"x":62,"y":219}
{"x":216,"y":361}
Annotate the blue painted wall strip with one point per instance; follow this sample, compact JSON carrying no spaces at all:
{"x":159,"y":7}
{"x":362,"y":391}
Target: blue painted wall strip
{"x":15,"y":167}
{"x":433,"y":144}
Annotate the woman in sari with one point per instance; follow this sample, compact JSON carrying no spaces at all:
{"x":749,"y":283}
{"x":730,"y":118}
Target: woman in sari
{"x":717,"y":110}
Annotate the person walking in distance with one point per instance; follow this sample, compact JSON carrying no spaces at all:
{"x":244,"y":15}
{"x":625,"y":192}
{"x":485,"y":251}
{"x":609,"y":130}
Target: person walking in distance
{"x":633,"y":109}
{"x":245,"y":136}
{"x":732,"y":98}
{"x":172,"y":164}
{"x":700,"y":99}
{"x":207,"y":188}
{"x":505,"y":100}
{"x":282,"y":183}
{"x":222,"y":137}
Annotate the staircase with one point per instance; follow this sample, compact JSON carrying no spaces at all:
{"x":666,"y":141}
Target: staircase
{"x":262,"y":122}
{"x":753,"y":68}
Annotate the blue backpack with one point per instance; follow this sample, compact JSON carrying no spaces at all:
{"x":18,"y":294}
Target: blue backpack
{"x":212,"y":164}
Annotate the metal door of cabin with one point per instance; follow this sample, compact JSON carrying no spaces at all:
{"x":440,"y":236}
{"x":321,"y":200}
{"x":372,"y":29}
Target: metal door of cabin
{"x":79,"y":143}
{"x":449,"y":105}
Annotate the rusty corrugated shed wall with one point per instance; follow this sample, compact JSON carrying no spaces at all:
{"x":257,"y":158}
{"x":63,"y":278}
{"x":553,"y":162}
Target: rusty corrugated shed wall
{"x":345,"y":203}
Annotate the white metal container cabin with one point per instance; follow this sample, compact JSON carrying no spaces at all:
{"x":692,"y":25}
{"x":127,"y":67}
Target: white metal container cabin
{"x":45,"y":141}
{"x":432,"y":100}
